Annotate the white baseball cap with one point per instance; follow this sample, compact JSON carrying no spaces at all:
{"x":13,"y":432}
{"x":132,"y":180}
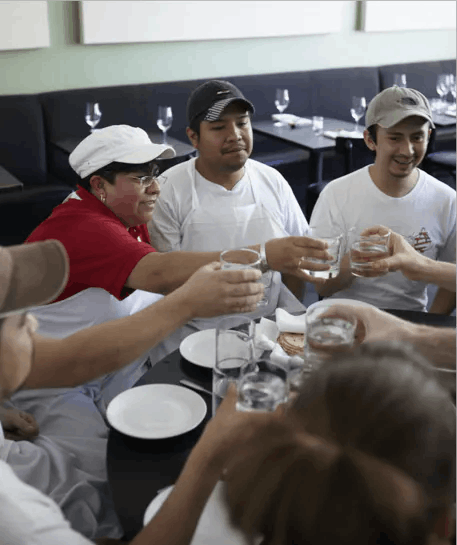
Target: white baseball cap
{"x":394,"y":104}
{"x":117,"y":143}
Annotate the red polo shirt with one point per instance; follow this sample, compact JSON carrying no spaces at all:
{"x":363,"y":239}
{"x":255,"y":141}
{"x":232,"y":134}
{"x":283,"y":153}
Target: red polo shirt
{"x":101,"y":250}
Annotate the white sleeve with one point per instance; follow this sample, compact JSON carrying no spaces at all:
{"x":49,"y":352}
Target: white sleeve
{"x":326,"y":213}
{"x":295,"y":221}
{"x":28,"y":517}
{"x":164,"y":228}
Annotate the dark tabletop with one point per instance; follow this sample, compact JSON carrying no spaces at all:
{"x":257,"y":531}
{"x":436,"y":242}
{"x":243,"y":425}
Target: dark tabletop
{"x":303,"y":136}
{"x":182,"y":149}
{"x":8,"y":182}
{"x":138,"y":468}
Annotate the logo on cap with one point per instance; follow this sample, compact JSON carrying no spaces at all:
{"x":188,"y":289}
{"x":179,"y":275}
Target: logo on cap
{"x":408,"y":101}
{"x":223,"y":92}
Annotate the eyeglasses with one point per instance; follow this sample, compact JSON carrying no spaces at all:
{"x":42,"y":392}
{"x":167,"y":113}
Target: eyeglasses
{"x":144,"y":181}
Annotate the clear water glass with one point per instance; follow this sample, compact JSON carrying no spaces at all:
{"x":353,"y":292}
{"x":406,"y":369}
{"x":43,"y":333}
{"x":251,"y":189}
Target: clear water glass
{"x":245,"y":258}
{"x":318,"y":125}
{"x":365,"y":251}
{"x":327,"y":334}
{"x":335,"y":244}
{"x":93,"y":114}
{"x":262,"y":386}
{"x":399,"y":80}
{"x":359,"y":105}
{"x":164,"y":120}
{"x":234,"y":351}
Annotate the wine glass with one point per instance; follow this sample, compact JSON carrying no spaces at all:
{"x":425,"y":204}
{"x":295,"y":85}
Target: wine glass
{"x":93,"y":114}
{"x":164,"y":120}
{"x":399,"y":80}
{"x":442,"y":87}
{"x":359,"y":105}
{"x":452,"y":88}
{"x":281,"y":102}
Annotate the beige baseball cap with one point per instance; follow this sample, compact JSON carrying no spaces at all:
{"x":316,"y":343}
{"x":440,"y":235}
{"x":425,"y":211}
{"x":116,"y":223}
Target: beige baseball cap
{"x":120,"y":143}
{"x":31,"y":275}
{"x":394,"y":104}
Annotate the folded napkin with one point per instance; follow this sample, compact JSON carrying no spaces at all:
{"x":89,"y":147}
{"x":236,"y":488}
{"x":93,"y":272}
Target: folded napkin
{"x":343,"y":133}
{"x":450,"y":112}
{"x":291,"y":119}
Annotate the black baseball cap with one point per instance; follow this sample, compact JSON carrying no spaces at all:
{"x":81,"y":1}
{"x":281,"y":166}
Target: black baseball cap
{"x":212,"y":97}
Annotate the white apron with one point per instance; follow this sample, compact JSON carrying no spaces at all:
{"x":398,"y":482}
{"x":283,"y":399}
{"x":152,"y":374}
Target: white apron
{"x":219,"y":229}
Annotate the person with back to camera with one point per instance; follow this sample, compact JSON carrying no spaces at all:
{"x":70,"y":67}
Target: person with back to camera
{"x":373,"y":416}
{"x":395,"y":193}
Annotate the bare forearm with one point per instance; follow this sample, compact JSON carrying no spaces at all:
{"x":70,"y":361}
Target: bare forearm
{"x":440,"y":273}
{"x":437,"y":344}
{"x":104,"y":348}
{"x":176,"y":521}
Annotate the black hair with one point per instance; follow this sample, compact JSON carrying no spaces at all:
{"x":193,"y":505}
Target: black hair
{"x":110,"y":171}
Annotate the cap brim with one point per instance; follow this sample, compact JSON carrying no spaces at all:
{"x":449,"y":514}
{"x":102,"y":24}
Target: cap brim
{"x":395,"y":116}
{"x":31,"y":275}
{"x":144,"y":154}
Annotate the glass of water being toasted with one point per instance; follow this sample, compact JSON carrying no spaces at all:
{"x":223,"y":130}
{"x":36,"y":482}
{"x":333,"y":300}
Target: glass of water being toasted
{"x":367,"y":249}
{"x":262,"y":387}
{"x":334,"y":241}
{"x":245,"y":258}
{"x":326,"y":333}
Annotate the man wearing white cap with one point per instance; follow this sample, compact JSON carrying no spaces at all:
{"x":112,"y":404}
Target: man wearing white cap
{"x":395,"y":193}
{"x":103,"y":229}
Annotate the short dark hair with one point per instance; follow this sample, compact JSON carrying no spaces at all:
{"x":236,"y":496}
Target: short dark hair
{"x":372,"y":129}
{"x":110,"y":171}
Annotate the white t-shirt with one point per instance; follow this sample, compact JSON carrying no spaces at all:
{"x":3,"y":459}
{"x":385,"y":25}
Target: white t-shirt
{"x":426,"y":217}
{"x":28,"y":517}
{"x":175,"y":201}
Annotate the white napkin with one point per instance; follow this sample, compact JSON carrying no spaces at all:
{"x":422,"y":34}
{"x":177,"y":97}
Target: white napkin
{"x":343,"y":133}
{"x":267,"y":333}
{"x":291,"y":119}
{"x":288,"y":322}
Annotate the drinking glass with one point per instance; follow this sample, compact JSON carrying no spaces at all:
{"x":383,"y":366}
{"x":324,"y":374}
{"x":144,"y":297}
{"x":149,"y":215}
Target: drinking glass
{"x":399,"y":80}
{"x":452,"y":88}
{"x":164,"y":121}
{"x":359,"y":105}
{"x":318,"y":125}
{"x":93,"y":114}
{"x":443,"y":86}
{"x":281,"y":102}
{"x":334,"y":241}
{"x":365,"y":250}
{"x":327,"y":334}
{"x":262,"y":386}
{"x":245,"y":258}
{"x":234,"y":350}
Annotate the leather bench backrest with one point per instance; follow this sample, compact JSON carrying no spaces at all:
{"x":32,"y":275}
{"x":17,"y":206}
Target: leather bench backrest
{"x":23,"y":147}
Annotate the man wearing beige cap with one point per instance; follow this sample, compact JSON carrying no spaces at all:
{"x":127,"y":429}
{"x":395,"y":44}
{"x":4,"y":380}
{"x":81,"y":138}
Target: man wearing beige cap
{"x":395,"y":193}
{"x":66,"y":460}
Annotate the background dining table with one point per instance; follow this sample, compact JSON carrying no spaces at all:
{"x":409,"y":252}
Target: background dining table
{"x":139,"y":468}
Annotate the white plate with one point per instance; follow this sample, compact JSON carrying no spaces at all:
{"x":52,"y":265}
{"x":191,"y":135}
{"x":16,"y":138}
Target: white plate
{"x":213,"y":525}
{"x":349,"y":302}
{"x":156,"y":411}
{"x":200,"y":348}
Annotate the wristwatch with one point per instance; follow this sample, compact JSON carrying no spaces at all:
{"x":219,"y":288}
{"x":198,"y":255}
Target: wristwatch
{"x":264,"y":267}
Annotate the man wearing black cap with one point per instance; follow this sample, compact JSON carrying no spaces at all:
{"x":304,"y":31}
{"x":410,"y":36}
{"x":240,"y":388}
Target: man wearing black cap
{"x":222,"y":199}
